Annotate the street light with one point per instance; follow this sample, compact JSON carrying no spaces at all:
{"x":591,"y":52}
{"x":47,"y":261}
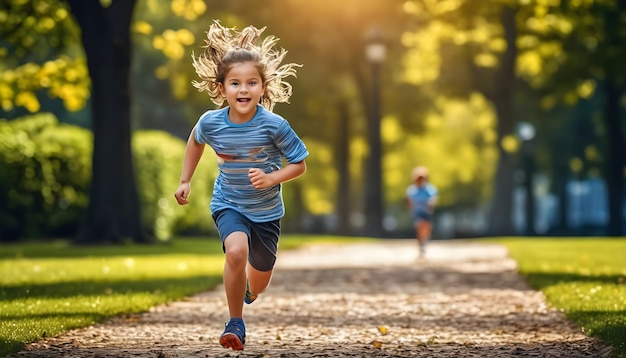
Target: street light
{"x":375,"y":53}
{"x":526,"y":133}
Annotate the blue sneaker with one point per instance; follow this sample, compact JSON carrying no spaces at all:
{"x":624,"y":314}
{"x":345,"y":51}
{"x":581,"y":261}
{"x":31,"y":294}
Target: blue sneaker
{"x":250,"y":297}
{"x":234,"y":335}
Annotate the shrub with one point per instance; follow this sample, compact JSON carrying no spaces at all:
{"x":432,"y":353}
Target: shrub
{"x":158,"y":160}
{"x":44,"y":169}
{"x":66,"y":169}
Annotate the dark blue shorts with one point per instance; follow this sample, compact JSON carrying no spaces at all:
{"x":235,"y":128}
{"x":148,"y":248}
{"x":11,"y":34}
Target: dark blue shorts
{"x":422,"y":216}
{"x":262,"y":237}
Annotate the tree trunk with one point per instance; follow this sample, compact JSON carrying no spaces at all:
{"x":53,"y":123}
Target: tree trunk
{"x":500,"y":222}
{"x":616,"y":160}
{"x":373,"y":214}
{"x":561,"y":178}
{"x":502,"y":97}
{"x":343,"y":170}
{"x":113,"y":213}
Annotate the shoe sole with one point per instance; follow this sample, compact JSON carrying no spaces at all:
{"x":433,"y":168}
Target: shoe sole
{"x":230,"y":340}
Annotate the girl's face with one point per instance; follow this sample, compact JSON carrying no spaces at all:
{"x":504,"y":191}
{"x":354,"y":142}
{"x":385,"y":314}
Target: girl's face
{"x":242,"y":89}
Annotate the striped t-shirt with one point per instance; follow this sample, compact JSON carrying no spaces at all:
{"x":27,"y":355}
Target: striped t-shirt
{"x":420,"y":198}
{"x":261,"y":143}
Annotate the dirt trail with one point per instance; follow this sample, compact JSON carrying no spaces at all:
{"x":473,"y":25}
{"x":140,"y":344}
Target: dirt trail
{"x":464,"y":299}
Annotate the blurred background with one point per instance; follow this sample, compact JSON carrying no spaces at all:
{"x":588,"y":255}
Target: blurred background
{"x":516,"y":107}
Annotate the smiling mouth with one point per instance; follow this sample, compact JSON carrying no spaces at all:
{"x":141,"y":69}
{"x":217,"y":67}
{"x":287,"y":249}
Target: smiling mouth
{"x":243,"y":100}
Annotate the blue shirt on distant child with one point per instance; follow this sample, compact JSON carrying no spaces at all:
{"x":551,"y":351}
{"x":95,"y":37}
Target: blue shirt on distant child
{"x":420,"y":198}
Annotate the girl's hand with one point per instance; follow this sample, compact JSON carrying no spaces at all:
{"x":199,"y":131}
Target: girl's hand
{"x":259,"y":179}
{"x":182,"y":193}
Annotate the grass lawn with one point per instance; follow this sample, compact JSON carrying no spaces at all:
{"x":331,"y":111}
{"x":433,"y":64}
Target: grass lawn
{"x":584,"y":277}
{"x":48,"y":288}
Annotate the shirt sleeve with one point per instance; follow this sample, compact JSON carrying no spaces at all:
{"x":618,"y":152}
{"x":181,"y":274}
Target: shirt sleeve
{"x":290,"y":145}
{"x":199,"y":137}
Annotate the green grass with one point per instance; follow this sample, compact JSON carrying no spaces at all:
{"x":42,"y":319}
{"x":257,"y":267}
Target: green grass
{"x":49,"y":288}
{"x":583,"y":277}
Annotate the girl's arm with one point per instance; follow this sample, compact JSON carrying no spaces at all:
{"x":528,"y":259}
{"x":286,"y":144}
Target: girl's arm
{"x":432,"y":202}
{"x":262,"y":180}
{"x":192,"y":157}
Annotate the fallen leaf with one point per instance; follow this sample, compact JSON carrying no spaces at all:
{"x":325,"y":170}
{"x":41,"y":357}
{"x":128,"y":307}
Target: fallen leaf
{"x":377,"y":344}
{"x":382,"y":329}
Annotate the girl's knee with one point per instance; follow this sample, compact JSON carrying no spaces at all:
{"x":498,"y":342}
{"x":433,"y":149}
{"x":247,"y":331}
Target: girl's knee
{"x":236,"y":249}
{"x":236,"y":254}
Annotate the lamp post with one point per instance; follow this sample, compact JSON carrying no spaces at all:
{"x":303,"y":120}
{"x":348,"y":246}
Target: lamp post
{"x":526,"y":133}
{"x":375,"y":53}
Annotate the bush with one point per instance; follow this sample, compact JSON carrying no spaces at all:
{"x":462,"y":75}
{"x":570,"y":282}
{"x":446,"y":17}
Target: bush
{"x":65,"y":153}
{"x":45,"y":172}
{"x":158,"y":160}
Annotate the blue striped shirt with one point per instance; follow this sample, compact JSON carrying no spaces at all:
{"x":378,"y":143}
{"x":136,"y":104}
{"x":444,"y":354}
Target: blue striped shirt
{"x":420,"y":198}
{"x":261,"y":143}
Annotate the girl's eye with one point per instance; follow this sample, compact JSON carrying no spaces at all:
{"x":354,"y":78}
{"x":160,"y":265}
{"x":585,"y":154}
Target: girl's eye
{"x":234,"y":84}
{"x":252,"y":83}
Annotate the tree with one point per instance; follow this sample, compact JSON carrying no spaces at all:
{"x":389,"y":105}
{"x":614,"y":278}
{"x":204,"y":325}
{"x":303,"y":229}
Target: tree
{"x":590,"y":48}
{"x":607,"y":65}
{"x":113,"y":213}
{"x":501,"y":90}
{"x":42,"y":65}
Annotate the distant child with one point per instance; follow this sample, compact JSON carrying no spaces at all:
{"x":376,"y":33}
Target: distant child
{"x":421,"y":198}
{"x":250,"y":143}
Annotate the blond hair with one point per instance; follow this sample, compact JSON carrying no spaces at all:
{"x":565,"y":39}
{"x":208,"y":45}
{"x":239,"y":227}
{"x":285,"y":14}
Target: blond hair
{"x":420,"y":171}
{"x":225,"y":47}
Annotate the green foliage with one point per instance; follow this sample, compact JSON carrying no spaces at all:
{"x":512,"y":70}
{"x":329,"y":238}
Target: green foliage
{"x":586,"y":278}
{"x":164,"y":34}
{"x":45,"y":168}
{"x":33,"y":29}
{"x":158,"y":163}
{"x":66,"y":168}
{"x":41,"y":59}
{"x":45,"y":171}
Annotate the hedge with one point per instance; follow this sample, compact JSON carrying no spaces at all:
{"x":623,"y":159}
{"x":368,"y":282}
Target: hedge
{"x":45,"y":170}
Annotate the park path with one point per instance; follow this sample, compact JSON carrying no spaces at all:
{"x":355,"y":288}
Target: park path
{"x":465,"y":299}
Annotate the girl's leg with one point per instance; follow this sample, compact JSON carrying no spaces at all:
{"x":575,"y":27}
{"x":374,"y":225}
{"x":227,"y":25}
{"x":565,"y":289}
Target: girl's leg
{"x":236,"y":249}
{"x":424,"y":229}
{"x":418,"y":236}
{"x":423,"y":234}
{"x":258,"y":280}
{"x":263,"y":249}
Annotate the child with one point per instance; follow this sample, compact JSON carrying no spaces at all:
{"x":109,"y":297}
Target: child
{"x":421,"y":198}
{"x":250,"y":142}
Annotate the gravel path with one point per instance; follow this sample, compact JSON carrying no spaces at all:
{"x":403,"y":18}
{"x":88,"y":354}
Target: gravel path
{"x":464,"y":299}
